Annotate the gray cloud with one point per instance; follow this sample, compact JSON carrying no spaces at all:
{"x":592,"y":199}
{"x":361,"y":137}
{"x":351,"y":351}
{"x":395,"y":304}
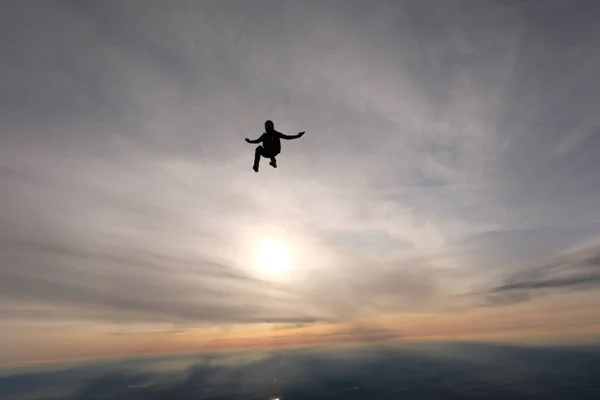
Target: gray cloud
{"x":555,"y":283}
{"x":445,"y":142}
{"x":576,"y":270}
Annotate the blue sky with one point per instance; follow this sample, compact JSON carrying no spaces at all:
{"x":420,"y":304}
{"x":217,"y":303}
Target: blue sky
{"x":451,"y":149}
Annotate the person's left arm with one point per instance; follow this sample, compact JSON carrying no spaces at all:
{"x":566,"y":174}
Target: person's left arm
{"x":288,"y":137}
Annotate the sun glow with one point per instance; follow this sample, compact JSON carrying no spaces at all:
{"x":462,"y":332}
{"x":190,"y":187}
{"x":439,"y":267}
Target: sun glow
{"x":273,"y":258}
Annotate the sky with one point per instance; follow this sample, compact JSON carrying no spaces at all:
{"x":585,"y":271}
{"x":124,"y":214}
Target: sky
{"x":447,"y":185}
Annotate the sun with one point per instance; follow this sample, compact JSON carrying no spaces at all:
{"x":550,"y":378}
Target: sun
{"x":273,"y":258}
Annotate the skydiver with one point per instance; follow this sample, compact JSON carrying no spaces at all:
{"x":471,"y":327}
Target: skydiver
{"x":271,"y":144}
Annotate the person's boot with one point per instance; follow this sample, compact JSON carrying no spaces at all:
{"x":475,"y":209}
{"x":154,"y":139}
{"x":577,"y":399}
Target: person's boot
{"x":273,"y":163}
{"x":255,"y":168}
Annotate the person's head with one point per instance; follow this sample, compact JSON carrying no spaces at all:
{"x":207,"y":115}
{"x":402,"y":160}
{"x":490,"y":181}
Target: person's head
{"x":269,"y":126}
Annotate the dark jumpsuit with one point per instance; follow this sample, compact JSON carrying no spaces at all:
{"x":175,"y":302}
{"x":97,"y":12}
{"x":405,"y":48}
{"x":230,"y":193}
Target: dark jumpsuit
{"x":271,"y":146}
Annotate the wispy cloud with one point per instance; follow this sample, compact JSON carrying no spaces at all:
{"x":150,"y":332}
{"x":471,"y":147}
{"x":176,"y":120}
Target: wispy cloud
{"x":577,"y":269}
{"x":447,"y":144}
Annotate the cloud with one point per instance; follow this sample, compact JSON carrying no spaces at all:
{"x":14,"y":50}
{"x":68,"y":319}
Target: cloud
{"x":445,"y":143}
{"x":350,"y":335}
{"x":554,"y":283}
{"x":574,"y":270}
{"x":129,"y":284}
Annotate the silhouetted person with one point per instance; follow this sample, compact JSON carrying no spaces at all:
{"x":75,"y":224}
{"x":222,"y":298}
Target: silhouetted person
{"x":271,"y":145}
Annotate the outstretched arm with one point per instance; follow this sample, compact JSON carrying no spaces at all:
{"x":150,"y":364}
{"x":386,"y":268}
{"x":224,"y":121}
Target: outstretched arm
{"x":255,"y":140}
{"x":288,"y":137}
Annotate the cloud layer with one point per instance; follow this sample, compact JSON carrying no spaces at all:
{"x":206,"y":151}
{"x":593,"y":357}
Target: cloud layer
{"x":449,"y":147}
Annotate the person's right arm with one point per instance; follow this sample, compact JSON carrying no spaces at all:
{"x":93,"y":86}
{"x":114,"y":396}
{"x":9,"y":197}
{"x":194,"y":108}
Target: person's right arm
{"x":255,"y":140}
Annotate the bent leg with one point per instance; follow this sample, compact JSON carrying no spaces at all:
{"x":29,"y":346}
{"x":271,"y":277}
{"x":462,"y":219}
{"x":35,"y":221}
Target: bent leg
{"x":271,"y":155}
{"x":257,"y":153}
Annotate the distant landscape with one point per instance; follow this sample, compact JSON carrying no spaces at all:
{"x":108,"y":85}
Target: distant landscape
{"x":442,"y":371}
